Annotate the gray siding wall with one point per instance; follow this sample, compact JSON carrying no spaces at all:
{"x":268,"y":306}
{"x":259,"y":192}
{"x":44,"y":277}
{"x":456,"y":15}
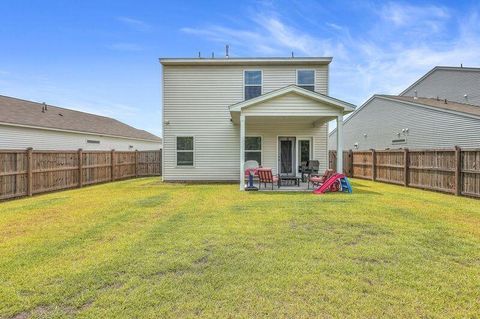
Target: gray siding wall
{"x":381,"y":120}
{"x":12,"y":137}
{"x":451,"y":85}
{"x":196,"y":101}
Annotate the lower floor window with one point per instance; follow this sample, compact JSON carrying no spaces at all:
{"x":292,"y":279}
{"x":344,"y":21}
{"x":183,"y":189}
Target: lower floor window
{"x":253,"y":149}
{"x":185,"y":150}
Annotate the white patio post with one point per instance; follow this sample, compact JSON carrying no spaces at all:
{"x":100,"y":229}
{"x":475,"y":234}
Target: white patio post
{"x":242,"y":152}
{"x":340,"y":144}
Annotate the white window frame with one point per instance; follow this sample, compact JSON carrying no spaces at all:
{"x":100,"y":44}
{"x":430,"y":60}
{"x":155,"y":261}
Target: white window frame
{"x":184,"y":151}
{"x":261,"y":146}
{"x":261,"y":81}
{"x":314,"y":78}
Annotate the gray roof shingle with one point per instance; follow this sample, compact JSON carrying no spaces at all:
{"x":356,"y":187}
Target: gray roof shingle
{"x":22,"y":112}
{"x":440,"y":104}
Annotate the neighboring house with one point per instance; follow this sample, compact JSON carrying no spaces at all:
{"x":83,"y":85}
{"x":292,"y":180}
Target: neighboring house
{"x":457,"y":84}
{"x":26,"y":124}
{"x":220,"y":112}
{"x":417,"y":118}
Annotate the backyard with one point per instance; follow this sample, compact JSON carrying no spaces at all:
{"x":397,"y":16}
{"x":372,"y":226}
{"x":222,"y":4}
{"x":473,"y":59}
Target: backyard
{"x":143,"y":249}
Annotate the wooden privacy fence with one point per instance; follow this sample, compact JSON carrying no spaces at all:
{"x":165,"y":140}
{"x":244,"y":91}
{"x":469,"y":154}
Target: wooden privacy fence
{"x":455,"y":171}
{"x":24,"y":173}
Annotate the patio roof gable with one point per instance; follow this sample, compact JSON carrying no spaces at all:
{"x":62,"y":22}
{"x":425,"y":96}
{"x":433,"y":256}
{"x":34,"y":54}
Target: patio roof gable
{"x":293,"y":89}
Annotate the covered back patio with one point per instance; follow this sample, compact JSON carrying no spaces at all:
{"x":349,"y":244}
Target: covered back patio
{"x":283,"y":129}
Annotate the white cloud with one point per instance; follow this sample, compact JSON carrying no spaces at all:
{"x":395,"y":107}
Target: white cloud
{"x":269,"y":36}
{"x":135,"y":24}
{"x":407,"y":15}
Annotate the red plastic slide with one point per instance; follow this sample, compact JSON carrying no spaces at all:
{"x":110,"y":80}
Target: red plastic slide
{"x":329,"y":183}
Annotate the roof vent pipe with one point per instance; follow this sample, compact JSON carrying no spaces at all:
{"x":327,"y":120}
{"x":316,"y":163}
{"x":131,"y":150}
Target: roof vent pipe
{"x":416,"y":95}
{"x":292,"y":55}
{"x":226,"y":51}
{"x":44,"y":107}
{"x":199,"y":54}
{"x":445,"y":101}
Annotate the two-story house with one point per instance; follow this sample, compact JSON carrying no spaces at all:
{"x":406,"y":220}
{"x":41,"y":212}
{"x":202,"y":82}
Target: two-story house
{"x":220,"y":112}
{"x":440,"y":110}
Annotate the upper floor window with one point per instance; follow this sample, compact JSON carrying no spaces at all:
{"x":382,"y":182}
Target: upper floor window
{"x":252,"y":84}
{"x":306,"y":79}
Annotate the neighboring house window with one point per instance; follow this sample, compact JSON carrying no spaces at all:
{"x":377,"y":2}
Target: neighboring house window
{"x":185,"y":150}
{"x":253,"y":84}
{"x":306,"y":79}
{"x":253,"y":149}
{"x":93,"y":142}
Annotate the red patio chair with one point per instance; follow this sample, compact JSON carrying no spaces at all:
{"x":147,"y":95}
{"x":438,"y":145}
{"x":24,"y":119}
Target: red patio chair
{"x":266,"y":176}
{"x":318,"y":180}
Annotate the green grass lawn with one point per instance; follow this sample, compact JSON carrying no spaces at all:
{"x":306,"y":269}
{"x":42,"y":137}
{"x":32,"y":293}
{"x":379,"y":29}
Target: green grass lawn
{"x":144,"y":249}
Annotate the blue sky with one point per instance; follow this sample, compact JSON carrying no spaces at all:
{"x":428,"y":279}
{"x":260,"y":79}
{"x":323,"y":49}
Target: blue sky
{"x":102,"y":56}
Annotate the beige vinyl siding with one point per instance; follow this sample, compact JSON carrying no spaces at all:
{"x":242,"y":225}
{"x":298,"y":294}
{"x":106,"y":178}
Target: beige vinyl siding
{"x":450,"y":84}
{"x":382,"y":119}
{"x":290,"y":104}
{"x":13,"y":137}
{"x":196,"y":101}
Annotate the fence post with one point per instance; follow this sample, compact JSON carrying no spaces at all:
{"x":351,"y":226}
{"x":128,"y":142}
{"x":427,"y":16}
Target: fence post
{"x":136,"y":163}
{"x":112,"y":165}
{"x":406,"y":164}
{"x":29,"y":171}
{"x":350,"y":163}
{"x":80,"y":168}
{"x":458,"y":171}
{"x":374,"y":173}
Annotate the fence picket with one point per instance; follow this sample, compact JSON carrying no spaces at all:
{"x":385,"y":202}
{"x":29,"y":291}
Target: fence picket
{"x":32,"y":171}
{"x":454,"y":171}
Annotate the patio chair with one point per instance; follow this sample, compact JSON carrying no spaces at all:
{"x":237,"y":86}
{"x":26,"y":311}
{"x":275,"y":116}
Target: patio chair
{"x":266,"y":176}
{"x":317,"y":180}
{"x":312,"y":167}
{"x":303,"y":170}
